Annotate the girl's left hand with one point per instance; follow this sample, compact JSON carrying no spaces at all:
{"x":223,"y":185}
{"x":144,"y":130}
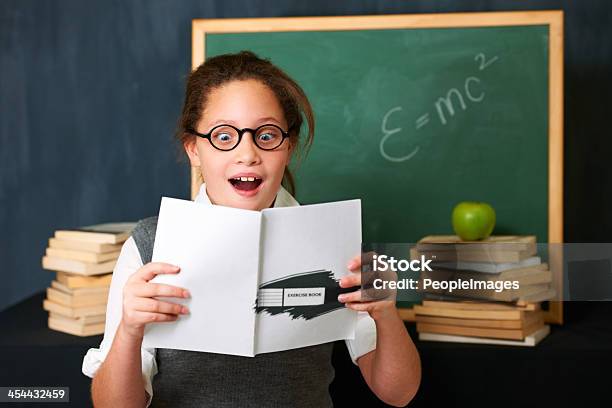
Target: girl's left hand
{"x":377,"y":309}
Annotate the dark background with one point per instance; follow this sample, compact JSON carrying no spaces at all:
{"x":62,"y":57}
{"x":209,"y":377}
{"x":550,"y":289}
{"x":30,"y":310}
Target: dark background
{"x":90,"y":92}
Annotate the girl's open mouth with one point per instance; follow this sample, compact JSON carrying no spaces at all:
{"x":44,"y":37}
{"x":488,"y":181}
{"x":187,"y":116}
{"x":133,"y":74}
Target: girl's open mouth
{"x":246,"y":186}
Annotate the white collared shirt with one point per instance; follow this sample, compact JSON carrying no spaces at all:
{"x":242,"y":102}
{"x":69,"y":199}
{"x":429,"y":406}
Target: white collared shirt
{"x":129,"y":262}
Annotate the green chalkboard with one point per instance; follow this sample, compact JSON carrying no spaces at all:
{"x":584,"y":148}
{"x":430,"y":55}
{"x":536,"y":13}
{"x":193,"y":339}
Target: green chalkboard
{"x":413,"y":121}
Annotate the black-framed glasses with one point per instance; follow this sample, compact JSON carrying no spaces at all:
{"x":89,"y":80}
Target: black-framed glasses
{"x":227,"y":137}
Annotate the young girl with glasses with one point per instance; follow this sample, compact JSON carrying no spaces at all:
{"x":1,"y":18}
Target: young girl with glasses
{"x":240,"y":124}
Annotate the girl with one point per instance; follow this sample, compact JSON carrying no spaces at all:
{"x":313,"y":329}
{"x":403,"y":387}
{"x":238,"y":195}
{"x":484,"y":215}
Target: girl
{"x":240,"y":125}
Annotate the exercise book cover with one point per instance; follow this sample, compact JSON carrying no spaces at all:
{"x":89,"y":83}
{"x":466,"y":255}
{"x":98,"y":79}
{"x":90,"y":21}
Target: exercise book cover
{"x":260,"y":281}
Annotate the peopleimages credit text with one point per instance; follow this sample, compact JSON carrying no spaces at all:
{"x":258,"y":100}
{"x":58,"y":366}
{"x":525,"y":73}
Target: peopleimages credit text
{"x":384,"y":263}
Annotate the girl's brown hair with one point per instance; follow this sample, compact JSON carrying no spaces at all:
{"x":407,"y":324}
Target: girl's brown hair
{"x":219,"y":70}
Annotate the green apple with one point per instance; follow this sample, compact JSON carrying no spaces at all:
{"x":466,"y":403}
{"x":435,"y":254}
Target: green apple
{"x":473,"y":220}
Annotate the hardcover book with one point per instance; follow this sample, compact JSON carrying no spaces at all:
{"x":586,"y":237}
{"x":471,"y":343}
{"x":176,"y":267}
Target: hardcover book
{"x":108,"y":233}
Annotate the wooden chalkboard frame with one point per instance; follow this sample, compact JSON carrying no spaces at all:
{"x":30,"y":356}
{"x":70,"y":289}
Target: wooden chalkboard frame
{"x":552,"y":18}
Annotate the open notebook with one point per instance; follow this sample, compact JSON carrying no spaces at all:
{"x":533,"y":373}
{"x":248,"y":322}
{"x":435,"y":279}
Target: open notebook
{"x":260,"y":281}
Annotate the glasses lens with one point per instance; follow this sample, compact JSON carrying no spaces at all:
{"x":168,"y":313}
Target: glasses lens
{"x":224,"y":137}
{"x":269,"y":137}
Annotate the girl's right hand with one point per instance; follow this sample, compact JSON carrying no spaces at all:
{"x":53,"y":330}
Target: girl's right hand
{"x":139,"y":307}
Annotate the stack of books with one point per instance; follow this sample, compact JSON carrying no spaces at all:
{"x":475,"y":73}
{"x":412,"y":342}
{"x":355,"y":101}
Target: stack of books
{"x":83,"y":260}
{"x":481,"y":322}
{"x":487,"y":289}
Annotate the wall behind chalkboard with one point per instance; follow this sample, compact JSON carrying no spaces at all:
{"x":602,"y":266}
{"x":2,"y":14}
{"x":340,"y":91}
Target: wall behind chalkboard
{"x":90,"y":93}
